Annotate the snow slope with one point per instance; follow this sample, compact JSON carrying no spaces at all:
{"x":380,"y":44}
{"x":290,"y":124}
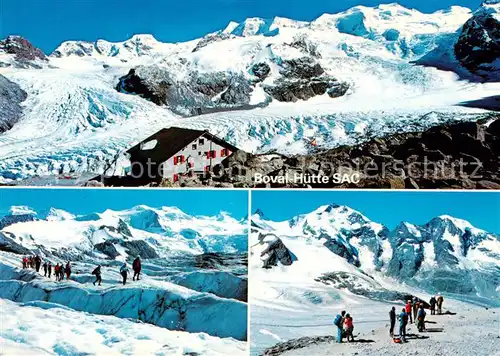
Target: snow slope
{"x":64,"y":331}
{"x":75,"y":122}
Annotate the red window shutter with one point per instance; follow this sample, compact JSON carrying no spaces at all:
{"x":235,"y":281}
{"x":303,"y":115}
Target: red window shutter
{"x":182,"y":159}
{"x":175,"y":160}
{"x":207,"y":168}
{"x":214,"y":154}
{"x":176,"y":177}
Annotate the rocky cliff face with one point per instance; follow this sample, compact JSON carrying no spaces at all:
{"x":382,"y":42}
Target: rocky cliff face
{"x":25,"y":54}
{"x":456,"y":155}
{"x":11,"y":97}
{"x":197,"y":94}
{"x":478,"y":46}
{"x":445,"y":254}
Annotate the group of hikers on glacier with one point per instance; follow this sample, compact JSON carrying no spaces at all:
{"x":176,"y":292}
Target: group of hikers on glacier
{"x":61,"y":270}
{"x":413,"y":311}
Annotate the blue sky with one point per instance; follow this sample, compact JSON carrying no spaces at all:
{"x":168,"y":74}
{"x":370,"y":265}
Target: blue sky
{"x":46,"y":23}
{"x":481,"y":209}
{"x":84,"y":201}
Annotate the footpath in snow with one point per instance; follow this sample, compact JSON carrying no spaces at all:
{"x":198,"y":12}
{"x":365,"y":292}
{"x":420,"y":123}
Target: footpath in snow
{"x":468,"y":332}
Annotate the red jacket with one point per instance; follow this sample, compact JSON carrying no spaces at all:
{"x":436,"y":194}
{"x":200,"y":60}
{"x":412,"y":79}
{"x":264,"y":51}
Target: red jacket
{"x":408,"y":307}
{"x":136,"y":265}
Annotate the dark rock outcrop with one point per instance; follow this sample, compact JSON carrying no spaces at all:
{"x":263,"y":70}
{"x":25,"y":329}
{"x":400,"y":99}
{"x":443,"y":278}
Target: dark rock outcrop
{"x":198,"y":94}
{"x":108,"y":249}
{"x":275,"y":252}
{"x":302,"y":79}
{"x":11,"y":95}
{"x":8,"y":244}
{"x":25,"y":54}
{"x":261,"y":70}
{"x":478,"y":45}
{"x":8,"y":220}
{"x":454,"y":156}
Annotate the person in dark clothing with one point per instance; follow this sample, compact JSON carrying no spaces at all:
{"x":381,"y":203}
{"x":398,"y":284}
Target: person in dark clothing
{"x":56,"y":271}
{"x":432,"y":303}
{"x":38,"y":263}
{"x":97,"y":273}
{"x":45,"y":267}
{"x":49,"y":268}
{"x":62,"y":270}
{"x":392,"y":318}
{"x":67,"y":269}
{"x":25,"y":262}
{"x":124,"y":272}
{"x":415,"y":309}
{"x":136,"y":266}
{"x":403,"y":320}
{"x":439,"y":302}
{"x":421,"y":318}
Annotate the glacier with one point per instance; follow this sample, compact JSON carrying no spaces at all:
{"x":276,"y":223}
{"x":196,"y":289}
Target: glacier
{"x":75,"y":123}
{"x":191,"y":298}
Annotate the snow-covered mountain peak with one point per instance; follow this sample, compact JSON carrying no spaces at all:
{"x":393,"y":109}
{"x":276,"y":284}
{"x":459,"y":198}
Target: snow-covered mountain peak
{"x":230,"y":27}
{"x":54,"y":214}
{"x":22,"y":210}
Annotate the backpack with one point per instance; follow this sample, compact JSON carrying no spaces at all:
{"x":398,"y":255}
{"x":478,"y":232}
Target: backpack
{"x":338,"y":320}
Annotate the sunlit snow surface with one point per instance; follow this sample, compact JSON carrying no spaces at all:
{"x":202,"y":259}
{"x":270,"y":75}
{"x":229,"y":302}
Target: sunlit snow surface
{"x":40,"y":328}
{"x":76,"y":122}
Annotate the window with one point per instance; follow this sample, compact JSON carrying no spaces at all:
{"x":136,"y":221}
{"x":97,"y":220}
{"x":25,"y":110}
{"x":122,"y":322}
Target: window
{"x":199,"y":153}
{"x":211,"y":154}
{"x":179,"y":159}
{"x":202,"y":141}
{"x":224,"y":152}
{"x":193,"y":147}
{"x":207,"y":168}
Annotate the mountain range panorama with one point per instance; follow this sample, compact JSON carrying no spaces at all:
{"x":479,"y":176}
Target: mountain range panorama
{"x":445,"y":248}
{"x":339,"y":79}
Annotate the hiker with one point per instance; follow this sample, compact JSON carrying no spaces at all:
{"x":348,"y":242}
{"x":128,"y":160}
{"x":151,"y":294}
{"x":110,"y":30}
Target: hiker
{"x":31,"y":262}
{"x":124,"y":272}
{"x":339,"y":321}
{"x":432,"y":303}
{"x":439,"y":302}
{"x":56,"y":271}
{"x":61,"y":272}
{"x":25,"y":262}
{"x":45,"y":267}
{"x":408,"y":310}
{"x":67,"y":269}
{"x":415,"y":309}
{"x":392,"y":318}
{"x":38,"y":263}
{"x":403,"y":320}
{"x":348,"y":327}
{"x":136,"y":266}
{"x":97,"y":273}
{"x":49,"y":268}
{"x":421,"y":318}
